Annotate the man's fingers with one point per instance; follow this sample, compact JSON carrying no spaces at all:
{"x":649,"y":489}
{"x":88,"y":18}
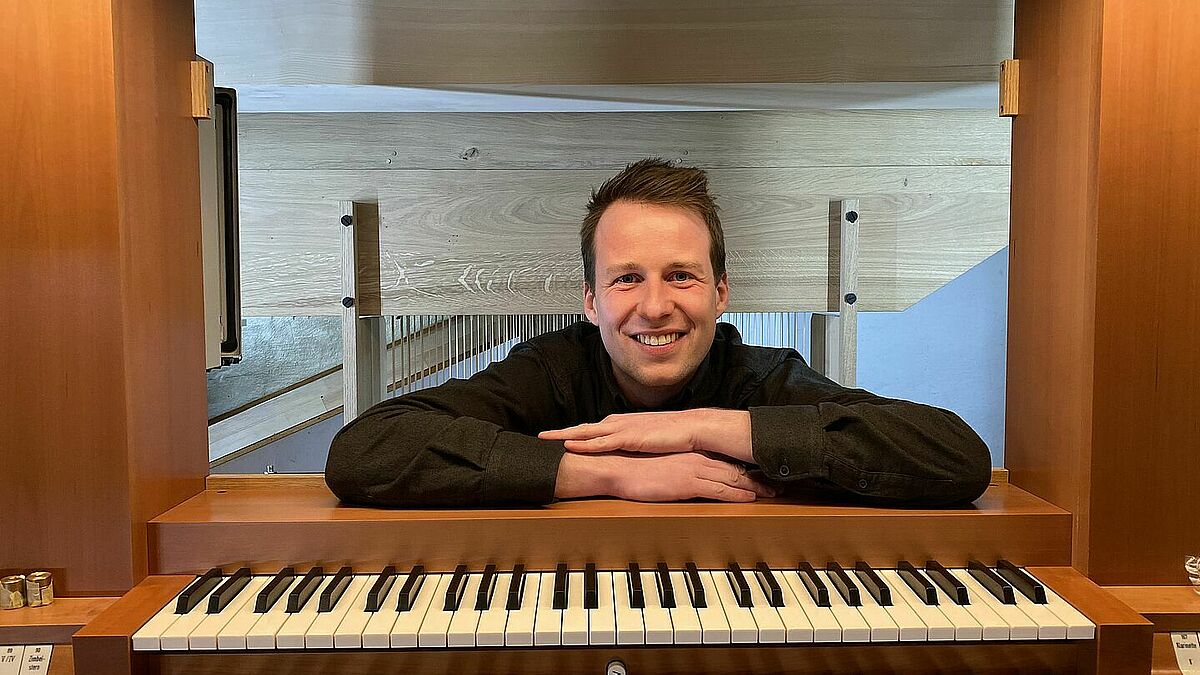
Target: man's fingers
{"x":730,"y":475}
{"x":723,"y":492}
{"x":578,"y":432}
{"x":592,"y":445}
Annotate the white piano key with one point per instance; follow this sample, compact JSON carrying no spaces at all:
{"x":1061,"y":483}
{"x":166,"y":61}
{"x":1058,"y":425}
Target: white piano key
{"x":465,"y":621}
{"x":518,"y":632}
{"x":602,"y":621}
{"x":262,"y":634}
{"x":175,"y":636}
{"x":684,"y":621}
{"x":205,"y":635}
{"x":770,"y":625}
{"x":547,"y":624}
{"x":575,"y":616}
{"x":966,"y":627}
{"x":377,"y":634}
{"x":883,"y":627}
{"x":993,"y":627}
{"x":436,"y":626}
{"x":349,"y":632}
{"x":147,"y":637}
{"x":291,"y":633}
{"x":937,"y":626}
{"x":742,"y":628}
{"x":1020,"y":626}
{"x":1050,"y":626}
{"x":489,"y":632}
{"x":854,"y":626}
{"x":797,"y":627}
{"x":714,"y":627}
{"x":824,"y":624}
{"x":407,"y":628}
{"x":1079,"y":627}
{"x":655,"y":617}
{"x":631,"y":630}
{"x":322,"y":633}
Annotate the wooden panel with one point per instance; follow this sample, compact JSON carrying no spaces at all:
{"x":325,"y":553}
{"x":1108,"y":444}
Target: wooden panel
{"x":927,"y":225}
{"x":608,"y":141}
{"x":1146,"y":396}
{"x":51,"y":624}
{"x":1051,"y":257}
{"x":103,"y":389}
{"x":269,"y":528}
{"x":478,"y":41}
{"x":1169,"y":607}
{"x":103,"y":646}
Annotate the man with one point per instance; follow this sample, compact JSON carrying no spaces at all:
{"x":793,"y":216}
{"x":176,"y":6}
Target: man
{"x":652,"y":400}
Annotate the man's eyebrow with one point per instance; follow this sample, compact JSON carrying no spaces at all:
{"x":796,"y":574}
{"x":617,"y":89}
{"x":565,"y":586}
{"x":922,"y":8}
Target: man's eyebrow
{"x":622,"y":267}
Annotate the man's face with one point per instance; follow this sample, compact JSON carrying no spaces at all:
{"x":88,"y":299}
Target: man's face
{"x":656,"y":300}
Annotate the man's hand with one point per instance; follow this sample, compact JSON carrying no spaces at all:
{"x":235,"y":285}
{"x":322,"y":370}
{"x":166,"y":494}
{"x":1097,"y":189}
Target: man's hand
{"x":656,"y":478}
{"x":725,"y":432}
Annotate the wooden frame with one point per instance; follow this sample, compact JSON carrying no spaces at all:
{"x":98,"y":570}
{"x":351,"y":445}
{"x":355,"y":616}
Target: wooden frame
{"x":363,"y":341}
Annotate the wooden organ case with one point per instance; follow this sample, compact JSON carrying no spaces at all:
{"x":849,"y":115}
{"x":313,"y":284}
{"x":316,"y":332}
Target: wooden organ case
{"x":1102,"y":203}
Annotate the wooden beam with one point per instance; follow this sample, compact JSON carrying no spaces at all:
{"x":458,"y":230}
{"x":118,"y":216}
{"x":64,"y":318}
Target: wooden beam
{"x":1010,"y":87}
{"x":363,"y":342}
{"x":430,"y":42}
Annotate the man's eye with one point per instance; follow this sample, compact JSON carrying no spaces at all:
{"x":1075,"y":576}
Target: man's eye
{"x":626,"y":279}
{"x":680,"y":276}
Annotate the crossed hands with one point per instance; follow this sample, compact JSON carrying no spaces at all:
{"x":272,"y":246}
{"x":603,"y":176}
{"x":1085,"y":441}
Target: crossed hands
{"x":660,"y":456}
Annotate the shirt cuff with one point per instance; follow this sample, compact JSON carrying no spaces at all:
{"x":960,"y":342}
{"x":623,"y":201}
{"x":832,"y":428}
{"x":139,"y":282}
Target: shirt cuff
{"x":521,"y":469}
{"x":788,"y":441}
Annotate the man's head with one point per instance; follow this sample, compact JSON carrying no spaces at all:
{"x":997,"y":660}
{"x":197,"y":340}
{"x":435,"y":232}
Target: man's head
{"x":654,"y":264}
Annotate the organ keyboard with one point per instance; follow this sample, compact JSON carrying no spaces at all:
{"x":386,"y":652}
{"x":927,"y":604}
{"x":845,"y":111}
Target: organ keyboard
{"x":631,"y":606}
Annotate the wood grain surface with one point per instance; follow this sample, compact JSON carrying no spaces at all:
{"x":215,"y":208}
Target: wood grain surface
{"x":483,"y":41}
{"x":50,"y":624}
{"x":1169,"y":607}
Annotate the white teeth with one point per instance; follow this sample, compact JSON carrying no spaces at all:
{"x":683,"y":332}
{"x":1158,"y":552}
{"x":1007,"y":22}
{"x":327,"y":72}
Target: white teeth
{"x":657,"y":340}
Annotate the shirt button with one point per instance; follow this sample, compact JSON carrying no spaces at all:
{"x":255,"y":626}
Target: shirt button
{"x":862,"y":484}
{"x":784,"y":470}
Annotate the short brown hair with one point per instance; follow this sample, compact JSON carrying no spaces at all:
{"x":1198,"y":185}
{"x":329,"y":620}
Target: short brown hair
{"x":654,"y":181}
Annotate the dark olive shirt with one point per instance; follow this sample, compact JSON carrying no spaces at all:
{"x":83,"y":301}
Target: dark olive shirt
{"x":474,"y":442}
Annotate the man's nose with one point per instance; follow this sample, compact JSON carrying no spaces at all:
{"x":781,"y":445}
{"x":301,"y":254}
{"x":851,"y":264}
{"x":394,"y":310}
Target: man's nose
{"x":656,"y":301}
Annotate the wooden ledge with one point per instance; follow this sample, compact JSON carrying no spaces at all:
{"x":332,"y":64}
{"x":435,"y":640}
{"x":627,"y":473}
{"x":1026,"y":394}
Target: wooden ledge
{"x":52,"y":624}
{"x":269,"y":528}
{"x":1169,"y":607}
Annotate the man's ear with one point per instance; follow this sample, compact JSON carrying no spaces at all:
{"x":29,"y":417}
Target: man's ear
{"x":589,"y":303}
{"x":722,"y":294}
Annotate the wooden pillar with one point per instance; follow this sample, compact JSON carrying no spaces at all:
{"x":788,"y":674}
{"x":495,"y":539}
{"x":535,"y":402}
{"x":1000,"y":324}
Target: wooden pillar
{"x":102,"y":404}
{"x":363,"y":343}
{"x":834,"y":338}
{"x":1102,"y":397}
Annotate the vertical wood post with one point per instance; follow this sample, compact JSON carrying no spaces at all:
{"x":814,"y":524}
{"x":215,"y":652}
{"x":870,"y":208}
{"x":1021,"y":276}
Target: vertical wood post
{"x":835,"y":337}
{"x":363,"y":341}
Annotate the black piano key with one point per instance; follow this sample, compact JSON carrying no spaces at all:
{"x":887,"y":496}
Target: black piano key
{"x":487,"y":587}
{"x":334,"y":590}
{"x":454,"y":592}
{"x":195,"y":592}
{"x":813,"y":583}
{"x":591,"y":587}
{"x":737,"y":582}
{"x":873,"y":584}
{"x":380,"y":589}
{"x":561,"y":583}
{"x":304,"y":589}
{"x":516,"y":588}
{"x":666,"y":590}
{"x":228,"y":590}
{"x":637,"y":596}
{"x":917,"y":582}
{"x":991,"y":581}
{"x":1022,"y":581}
{"x":844,"y":584}
{"x":946,"y":581}
{"x":770,"y":586}
{"x":411,"y":588}
{"x":694,"y":586}
{"x":274,"y":589}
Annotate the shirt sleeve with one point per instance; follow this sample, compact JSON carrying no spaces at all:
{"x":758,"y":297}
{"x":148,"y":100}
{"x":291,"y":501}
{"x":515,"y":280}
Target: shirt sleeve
{"x":466,"y":443}
{"x":812,"y":433}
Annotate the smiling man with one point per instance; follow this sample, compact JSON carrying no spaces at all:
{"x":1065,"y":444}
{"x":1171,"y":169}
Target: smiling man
{"x":652,"y":400}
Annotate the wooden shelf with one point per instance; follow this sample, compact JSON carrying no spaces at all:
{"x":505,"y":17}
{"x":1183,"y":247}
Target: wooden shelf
{"x":306,"y":524}
{"x":52,"y":624}
{"x":1169,"y":607}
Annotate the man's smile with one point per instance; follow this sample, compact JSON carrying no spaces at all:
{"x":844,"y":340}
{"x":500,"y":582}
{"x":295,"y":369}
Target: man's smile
{"x":658,"y":342}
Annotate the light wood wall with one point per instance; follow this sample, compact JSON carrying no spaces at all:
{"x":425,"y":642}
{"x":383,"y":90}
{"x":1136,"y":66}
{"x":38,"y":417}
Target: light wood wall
{"x":439,"y":42}
{"x":479,"y":213}
{"x":1102,"y":358}
{"x":102,"y":420}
